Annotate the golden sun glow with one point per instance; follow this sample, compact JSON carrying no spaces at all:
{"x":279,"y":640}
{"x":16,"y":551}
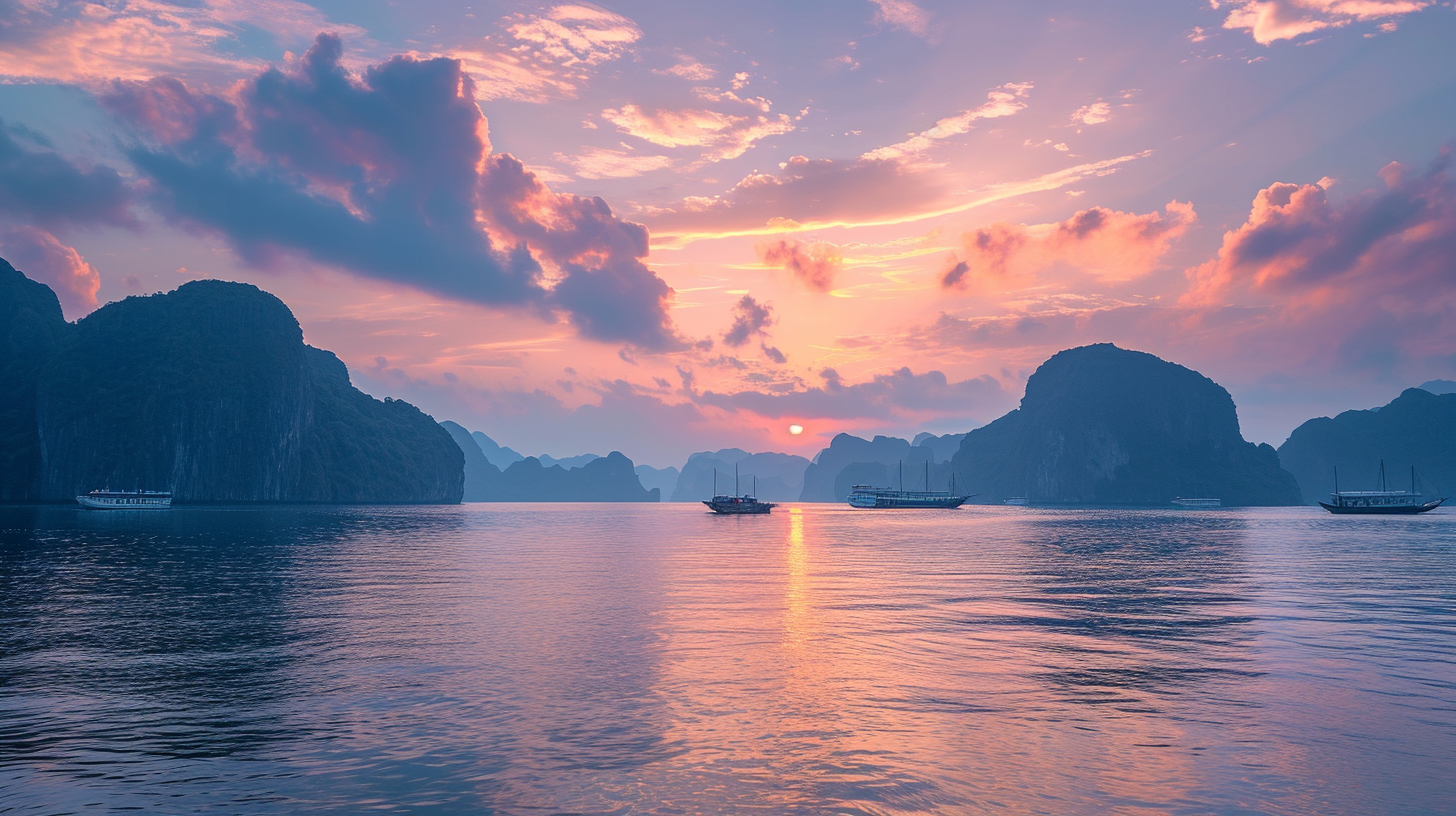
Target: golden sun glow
{"x":796,"y":429}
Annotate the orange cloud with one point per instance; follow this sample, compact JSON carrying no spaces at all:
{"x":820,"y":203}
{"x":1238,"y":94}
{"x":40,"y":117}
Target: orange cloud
{"x":814,"y":264}
{"x":1109,"y":245}
{"x":41,"y":256}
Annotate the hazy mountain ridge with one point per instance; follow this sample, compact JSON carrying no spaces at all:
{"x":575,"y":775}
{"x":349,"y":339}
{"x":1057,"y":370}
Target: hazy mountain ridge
{"x":1104,"y":425}
{"x":779,"y":476}
{"x":1417,"y":428}
{"x":850,"y":460}
{"x":610,"y":478}
{"x":210,"y":392}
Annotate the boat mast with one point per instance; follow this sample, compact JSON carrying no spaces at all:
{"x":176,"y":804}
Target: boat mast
{"x":1382,"y":475}
{"x":902,"y":475}
{"x":1413,"y":480}
{"x":1337,"y":478}
{"x":735,"y":478}
{"x":927,"y":475}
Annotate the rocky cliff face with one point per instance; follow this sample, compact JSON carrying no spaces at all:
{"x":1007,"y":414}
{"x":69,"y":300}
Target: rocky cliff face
{"x":31,"y":329}
{"x":209,"y":391}
{"x":1417,"y":429}
{"x":1102,"y":425}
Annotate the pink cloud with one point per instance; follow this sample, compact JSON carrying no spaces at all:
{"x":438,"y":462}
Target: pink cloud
{"x":720,"y":135}
{"x":1393,"y":246}
{"x":815,"y":265}
{"x":547,"y":55}
{"x":603,"y":163}
{"x":902,"y":14}
{"x":139,"y":39}
{"x":1107,"y":245}
{"x":41,"y":256}
{"x":1269,"y":21}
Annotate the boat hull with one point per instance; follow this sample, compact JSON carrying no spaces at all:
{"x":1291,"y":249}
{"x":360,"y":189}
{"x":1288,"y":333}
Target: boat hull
{"x":115,"y":504}
{"x":891,"y":501}
{"x":729,"y":507}
{"x":1396,"y":510}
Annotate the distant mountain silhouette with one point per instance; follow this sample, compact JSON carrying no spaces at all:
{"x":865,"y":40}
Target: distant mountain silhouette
{"x":944,"y":447}
{"x":779,"y":475}
{"x":850,"y":460}
{"x":1417,"y":428}
{"x":499,"y":456}
{"x":609,"y":478}
{"x":1439,"y":386}
{"x":570,"y":462}
{"x":663,"y":479}
{"x":208,"y":391}
{"x":1103,"y":425}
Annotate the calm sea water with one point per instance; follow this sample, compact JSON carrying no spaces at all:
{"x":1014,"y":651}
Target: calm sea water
{"x":657,"y":659}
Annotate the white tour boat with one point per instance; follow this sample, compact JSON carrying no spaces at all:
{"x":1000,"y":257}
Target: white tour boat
{"x":126,"y":500}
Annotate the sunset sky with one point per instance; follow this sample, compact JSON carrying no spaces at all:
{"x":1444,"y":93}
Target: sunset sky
{"x":662,"y":227}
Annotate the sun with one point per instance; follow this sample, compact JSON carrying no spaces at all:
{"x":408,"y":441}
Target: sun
{"x":796,"y":429}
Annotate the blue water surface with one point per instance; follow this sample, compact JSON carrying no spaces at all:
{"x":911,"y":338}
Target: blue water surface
{"x":657,"y":659}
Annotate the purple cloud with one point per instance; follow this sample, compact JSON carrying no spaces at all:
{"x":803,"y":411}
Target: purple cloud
{"x":750,"y":319}
{"x":389,"y":175}
{"x":40,"y":186}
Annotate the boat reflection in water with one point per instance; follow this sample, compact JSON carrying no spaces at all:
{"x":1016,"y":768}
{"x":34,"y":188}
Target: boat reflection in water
{"x":1382,"y":501}
{"x":865,"y":497}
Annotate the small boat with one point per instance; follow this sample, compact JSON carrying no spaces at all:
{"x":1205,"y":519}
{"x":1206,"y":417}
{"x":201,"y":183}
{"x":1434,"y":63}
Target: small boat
{"x":126,"y":500}
{"x":737,"y":505}
{"x":866,"y":497}
{"x":1198,"y":504}
{"x":1016,"y":501}
{"x":1380,"y":502}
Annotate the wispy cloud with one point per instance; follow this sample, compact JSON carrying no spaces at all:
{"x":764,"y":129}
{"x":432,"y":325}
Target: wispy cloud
{"x":813,"y":194}
{"x":720,"y":135}
{"x":604,"y":163}
{"x":547,"y":55}
{"x":1003,"y":101}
